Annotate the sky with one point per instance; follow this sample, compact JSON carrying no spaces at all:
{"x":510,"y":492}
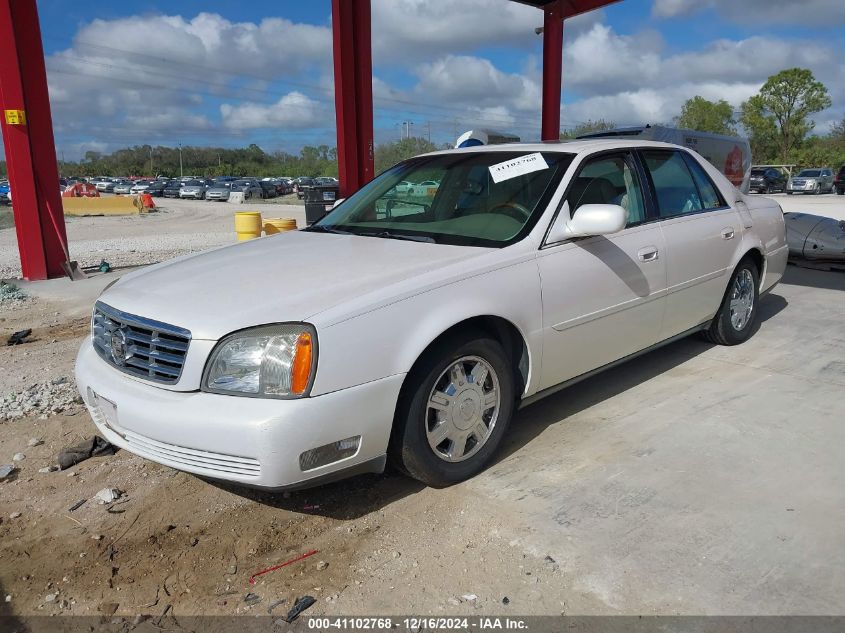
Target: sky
{"x":233,"y":73}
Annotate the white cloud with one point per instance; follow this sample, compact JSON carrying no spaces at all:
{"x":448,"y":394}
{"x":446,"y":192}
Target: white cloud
{"x":414,"y":30}
{"x":294,"y":110}
{"x":804,"y":12}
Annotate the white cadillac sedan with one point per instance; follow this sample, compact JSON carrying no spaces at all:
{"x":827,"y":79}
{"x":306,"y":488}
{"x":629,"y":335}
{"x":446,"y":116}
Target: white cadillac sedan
{"x":410,"y":328}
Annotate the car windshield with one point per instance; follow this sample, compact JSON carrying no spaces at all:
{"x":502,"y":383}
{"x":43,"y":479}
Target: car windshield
{"x":242,"y":183}
{"x":221,"y":185}
{"x":471,"y":199}
{"x":194,"y":183}
{"x":809,"y":173}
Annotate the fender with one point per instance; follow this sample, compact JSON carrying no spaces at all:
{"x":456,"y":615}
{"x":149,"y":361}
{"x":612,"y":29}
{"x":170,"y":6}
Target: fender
{"x":389,"y":340}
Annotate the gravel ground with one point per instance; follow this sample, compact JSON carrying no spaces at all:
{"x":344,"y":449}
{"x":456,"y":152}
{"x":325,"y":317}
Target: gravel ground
{"x":177,"y":227}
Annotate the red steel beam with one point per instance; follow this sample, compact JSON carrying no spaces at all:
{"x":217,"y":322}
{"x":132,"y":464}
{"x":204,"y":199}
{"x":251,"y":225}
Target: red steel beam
{"x":554,"y":13}
{"x":552,"y":71}
{"x":353,"y":93}
{"x":30,"y":148}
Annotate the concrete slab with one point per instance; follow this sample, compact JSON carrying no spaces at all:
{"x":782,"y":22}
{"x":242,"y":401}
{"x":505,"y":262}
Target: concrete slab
{"x":696,"y":479}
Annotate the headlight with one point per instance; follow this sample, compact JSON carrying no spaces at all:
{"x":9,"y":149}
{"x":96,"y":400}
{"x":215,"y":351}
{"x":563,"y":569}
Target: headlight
{"x":271,"y":361}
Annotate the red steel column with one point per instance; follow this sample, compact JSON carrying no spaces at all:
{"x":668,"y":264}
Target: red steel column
{"x":30,"y":149}
{"x":552,"y":70}
{"x":353,"y":93}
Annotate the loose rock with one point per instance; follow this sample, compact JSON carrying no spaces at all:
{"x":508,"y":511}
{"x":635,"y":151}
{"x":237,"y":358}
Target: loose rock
{"x":322,"y":565}
{"x":19,"y":457}
{"x":108,"y":495}
{"x":15,"y":515}
{"x":35,"y":441}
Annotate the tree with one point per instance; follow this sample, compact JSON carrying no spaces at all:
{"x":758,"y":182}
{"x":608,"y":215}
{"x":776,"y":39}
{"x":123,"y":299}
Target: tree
{"x":700,"y":114}
{"x":780,"y":114}
{"x":588,"y":127}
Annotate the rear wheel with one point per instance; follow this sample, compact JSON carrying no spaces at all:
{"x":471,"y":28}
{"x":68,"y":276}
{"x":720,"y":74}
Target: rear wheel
{"x":454,"y":411}
{"x":737,"y":316}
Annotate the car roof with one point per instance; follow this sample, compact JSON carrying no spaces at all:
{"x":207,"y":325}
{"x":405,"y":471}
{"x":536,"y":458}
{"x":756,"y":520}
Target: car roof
{"x":572,"y":147}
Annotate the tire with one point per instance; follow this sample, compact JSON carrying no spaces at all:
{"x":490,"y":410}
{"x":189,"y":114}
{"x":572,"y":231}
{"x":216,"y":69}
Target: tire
{"x":430,"y":382}
{"x":840,"y":192}
{"x":768,"y":189}
{"x":727,"y":328}
{"x":789,"y":193}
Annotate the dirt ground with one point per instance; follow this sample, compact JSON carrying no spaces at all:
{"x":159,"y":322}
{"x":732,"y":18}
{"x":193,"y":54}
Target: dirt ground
{"x":175,"y":540}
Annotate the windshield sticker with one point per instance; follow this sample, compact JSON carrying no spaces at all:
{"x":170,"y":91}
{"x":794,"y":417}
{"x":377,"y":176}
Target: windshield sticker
{"x":518,"y":167}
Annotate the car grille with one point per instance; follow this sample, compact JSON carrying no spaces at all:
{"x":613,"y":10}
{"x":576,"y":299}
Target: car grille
{"x":141,"y":347}
{"x":798,"y":183}
{"x":214,"y":463}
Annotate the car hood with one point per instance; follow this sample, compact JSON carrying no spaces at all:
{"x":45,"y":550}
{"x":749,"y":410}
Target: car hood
{"x":292,"y":276}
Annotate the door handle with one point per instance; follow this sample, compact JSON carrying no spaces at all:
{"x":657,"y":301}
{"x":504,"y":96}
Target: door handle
{"x":647,"y":254}
{"x":728,"y":233}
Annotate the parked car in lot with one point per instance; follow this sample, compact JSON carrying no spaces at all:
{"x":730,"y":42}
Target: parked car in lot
{"x":301,"y":184}
{"x":218,"y":191}
{"x":194,"y":189}
{"x":839,"y":181}
{"x":767,"y":180}
{"x":140,"y":186}
{"x":105,"y":186}
{"x":417,"y":335}
{"x":268,"y":189}
{"x":249,"y":187}
{"x":811,"y":181}
{"x":171,"y":189}
{"x":123,"y":188}
{"x":157,"y":188}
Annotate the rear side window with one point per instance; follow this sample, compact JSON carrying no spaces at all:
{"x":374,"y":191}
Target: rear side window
{"x":709,"y":195}
{"x":674,"y":187}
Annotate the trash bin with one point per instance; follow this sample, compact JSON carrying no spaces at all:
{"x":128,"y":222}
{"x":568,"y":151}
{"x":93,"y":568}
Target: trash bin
{"x":319,"y":200}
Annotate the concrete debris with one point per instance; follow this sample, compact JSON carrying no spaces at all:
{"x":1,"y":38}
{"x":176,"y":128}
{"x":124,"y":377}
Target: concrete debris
{"x":108,"y":495}
{"x":11,"y":296}
{"x":19,"y":457}
{"x":469,"y":597}
{"x":51,"y":597}
{"x":35,"y":441}
{"x":48,"y":469}
{"x":6,"y":470}
{"x":41,"y":399}
{"x":15,"y":515}
{"x":322,"y":565}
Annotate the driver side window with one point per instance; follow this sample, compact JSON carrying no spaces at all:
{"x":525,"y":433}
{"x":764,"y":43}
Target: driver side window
{"x":609,"y":180}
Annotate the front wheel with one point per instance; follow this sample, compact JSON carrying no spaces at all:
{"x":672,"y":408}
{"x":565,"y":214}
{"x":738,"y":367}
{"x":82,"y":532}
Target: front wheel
{"x":454,"y":411}
{"x":735,"y":321}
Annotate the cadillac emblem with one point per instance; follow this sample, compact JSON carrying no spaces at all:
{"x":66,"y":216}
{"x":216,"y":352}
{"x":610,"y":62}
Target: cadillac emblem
{"x":120,"y":351}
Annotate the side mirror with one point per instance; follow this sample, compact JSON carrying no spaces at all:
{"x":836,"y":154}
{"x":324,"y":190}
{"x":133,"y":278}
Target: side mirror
{"x":337,"y":202}
{"x":589,"y":219}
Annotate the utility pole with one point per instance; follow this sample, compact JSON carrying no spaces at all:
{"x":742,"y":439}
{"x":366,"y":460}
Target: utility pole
{"x":152,"y":173}
{"x":181,"y":173}
{"x":428,"y":125}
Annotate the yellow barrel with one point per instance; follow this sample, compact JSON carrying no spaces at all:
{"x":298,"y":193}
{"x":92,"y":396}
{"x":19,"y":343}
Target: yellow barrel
{"x":278,"y":225}
{"x":248,"y":225}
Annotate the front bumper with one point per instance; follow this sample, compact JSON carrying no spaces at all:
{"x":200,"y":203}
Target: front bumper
{"x":251,"y":441}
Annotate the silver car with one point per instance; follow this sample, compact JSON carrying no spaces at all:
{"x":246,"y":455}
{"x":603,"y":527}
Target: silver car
{"x":194,"y":189}
{"x":140,"y":186}
{"x":123,"y":187}
{"x":218,"y":191}
{"x":813,"y":181}
{"x":250,"y":188}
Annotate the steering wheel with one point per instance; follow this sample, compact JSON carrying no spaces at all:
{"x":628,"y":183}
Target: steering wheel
{"x":513,"y":209}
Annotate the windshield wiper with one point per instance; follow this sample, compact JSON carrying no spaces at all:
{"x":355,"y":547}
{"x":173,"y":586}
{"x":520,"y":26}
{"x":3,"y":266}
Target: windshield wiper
{"x":326,"y":228}
{"x":399,"y":236}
